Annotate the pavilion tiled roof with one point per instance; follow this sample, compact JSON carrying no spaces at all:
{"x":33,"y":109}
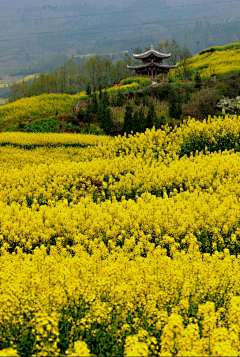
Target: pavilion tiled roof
{"x":149,"y":64}
{"x":151,"y":51}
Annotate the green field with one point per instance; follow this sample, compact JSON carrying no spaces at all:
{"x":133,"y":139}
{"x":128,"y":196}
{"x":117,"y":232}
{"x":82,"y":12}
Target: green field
{"x":15,"y":79}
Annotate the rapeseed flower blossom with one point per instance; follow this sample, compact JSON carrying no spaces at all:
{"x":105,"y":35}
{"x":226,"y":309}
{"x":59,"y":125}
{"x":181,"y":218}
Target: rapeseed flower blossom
{"x":121,"y":246}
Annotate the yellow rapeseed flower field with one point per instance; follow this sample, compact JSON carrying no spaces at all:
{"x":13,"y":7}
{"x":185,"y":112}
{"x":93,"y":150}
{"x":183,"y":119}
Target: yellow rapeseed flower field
{"x":125,"y":246}
{"x":224,"y":60}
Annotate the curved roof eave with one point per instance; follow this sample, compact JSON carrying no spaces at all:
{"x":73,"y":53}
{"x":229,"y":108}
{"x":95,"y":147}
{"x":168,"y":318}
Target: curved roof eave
{"x":146,"y":65}
{"x":152,"y":51}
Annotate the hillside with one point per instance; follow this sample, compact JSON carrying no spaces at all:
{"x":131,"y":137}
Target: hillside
{"x":42,"y":106}
{"x":221,"y":60}
{"x":154,"y":106}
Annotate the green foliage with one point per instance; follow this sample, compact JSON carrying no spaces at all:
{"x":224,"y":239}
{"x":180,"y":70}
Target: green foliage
{"x":70,"y":78}
{"x":41,"y":126}
{"x":81,"y":116}
{"x":198,"y":81}
{"x":145,"y":100}
{"x":175,"y":105}
{"x":127,"y":124}
{"x":135,"y":123}
{"x":120,"y":100}
{"x":88,"y":90}
{"x":151,"y":116}
{"x":105,"y":100}
{"x":137,"y":100}
{"x":141,"y":121}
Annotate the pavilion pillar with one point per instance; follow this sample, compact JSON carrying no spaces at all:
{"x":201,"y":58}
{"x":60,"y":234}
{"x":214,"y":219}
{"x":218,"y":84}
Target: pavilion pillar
{"x":167,"y":76}
{"x":163,"y":76}
{"x":152,"y":74}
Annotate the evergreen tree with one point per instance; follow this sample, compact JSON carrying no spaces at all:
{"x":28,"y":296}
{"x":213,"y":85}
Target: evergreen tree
{"x":88,"y":90}
{"x":108,"y":121}
{"x":105,"y":99}
{"x":100,"y":91}
{"x":145,"y":100}
{"x":135,"y":123}
{"x":198,"y":81}
{"x":88,"y":115}
{"x":141,"y":120}
{"x":120,"y":100}
{"x":104,"y":116}
{"x":175,"y":106}
{"x":94,"y":103}
{"x":81,"y":116}
{"x":151,"y":116}
{"x":137,"y":100}
{"x":127,"y":124}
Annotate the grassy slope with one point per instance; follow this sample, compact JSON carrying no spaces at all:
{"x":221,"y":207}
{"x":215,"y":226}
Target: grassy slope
{"x":224,"y":61}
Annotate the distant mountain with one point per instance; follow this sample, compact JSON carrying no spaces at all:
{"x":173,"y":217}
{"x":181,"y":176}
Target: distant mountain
{"x":31,"y":31}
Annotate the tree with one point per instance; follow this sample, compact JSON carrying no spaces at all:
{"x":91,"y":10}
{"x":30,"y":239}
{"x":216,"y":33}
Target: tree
{"x":100,"y":91}
{"x":105,"y":99}
{"x":88,"y":90}
{"x":151,"y":116}
{"x":173,"y":48}
{"x":141,"y":120}
{"x":127,"y":124}
{"x":71,"y":69}
{"x":88,"y":114}
{"x":94,"y":103}
{"x":108,"y":121}
{"x":145,"y":100}
{"x":135,"y":123}
{"x":137,"y":100}
{"x":120,"y":99}
{"x":184,"y":68}
{"x":175,"y":106}
{"x":198,"y":80}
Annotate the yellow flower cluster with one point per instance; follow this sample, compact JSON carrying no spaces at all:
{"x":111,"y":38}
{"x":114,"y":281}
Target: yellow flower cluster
{"x":121,"y":246}
{"x":222,"y":62}
{"x":36,"y":107}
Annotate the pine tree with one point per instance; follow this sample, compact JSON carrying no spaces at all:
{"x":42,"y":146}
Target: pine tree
{"x":145,"y":100}
{"x":135,"y":123}
{"x":127,"y":124}
{"x":81,"y":115}
{"x":175,"y":106}
{"x":108,"y":121}
{"x":137,"y":100}
{"x":151,"y":116}
{"x":141,"y":120}
{"x":120,"y":100}
{"x":198,"y":81}
{"x":88,"y":90}
{"x":100,"y":91}
{"x":88,"y":114}
{"x":105,"y":99}
{"x":94,"y":103}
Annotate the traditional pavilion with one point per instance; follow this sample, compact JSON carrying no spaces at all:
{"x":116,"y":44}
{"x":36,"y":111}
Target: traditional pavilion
{"x":152,"y":65}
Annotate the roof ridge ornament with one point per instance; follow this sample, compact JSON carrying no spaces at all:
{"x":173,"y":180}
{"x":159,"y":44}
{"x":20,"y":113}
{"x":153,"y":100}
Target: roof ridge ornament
{"x":151,"y":47}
